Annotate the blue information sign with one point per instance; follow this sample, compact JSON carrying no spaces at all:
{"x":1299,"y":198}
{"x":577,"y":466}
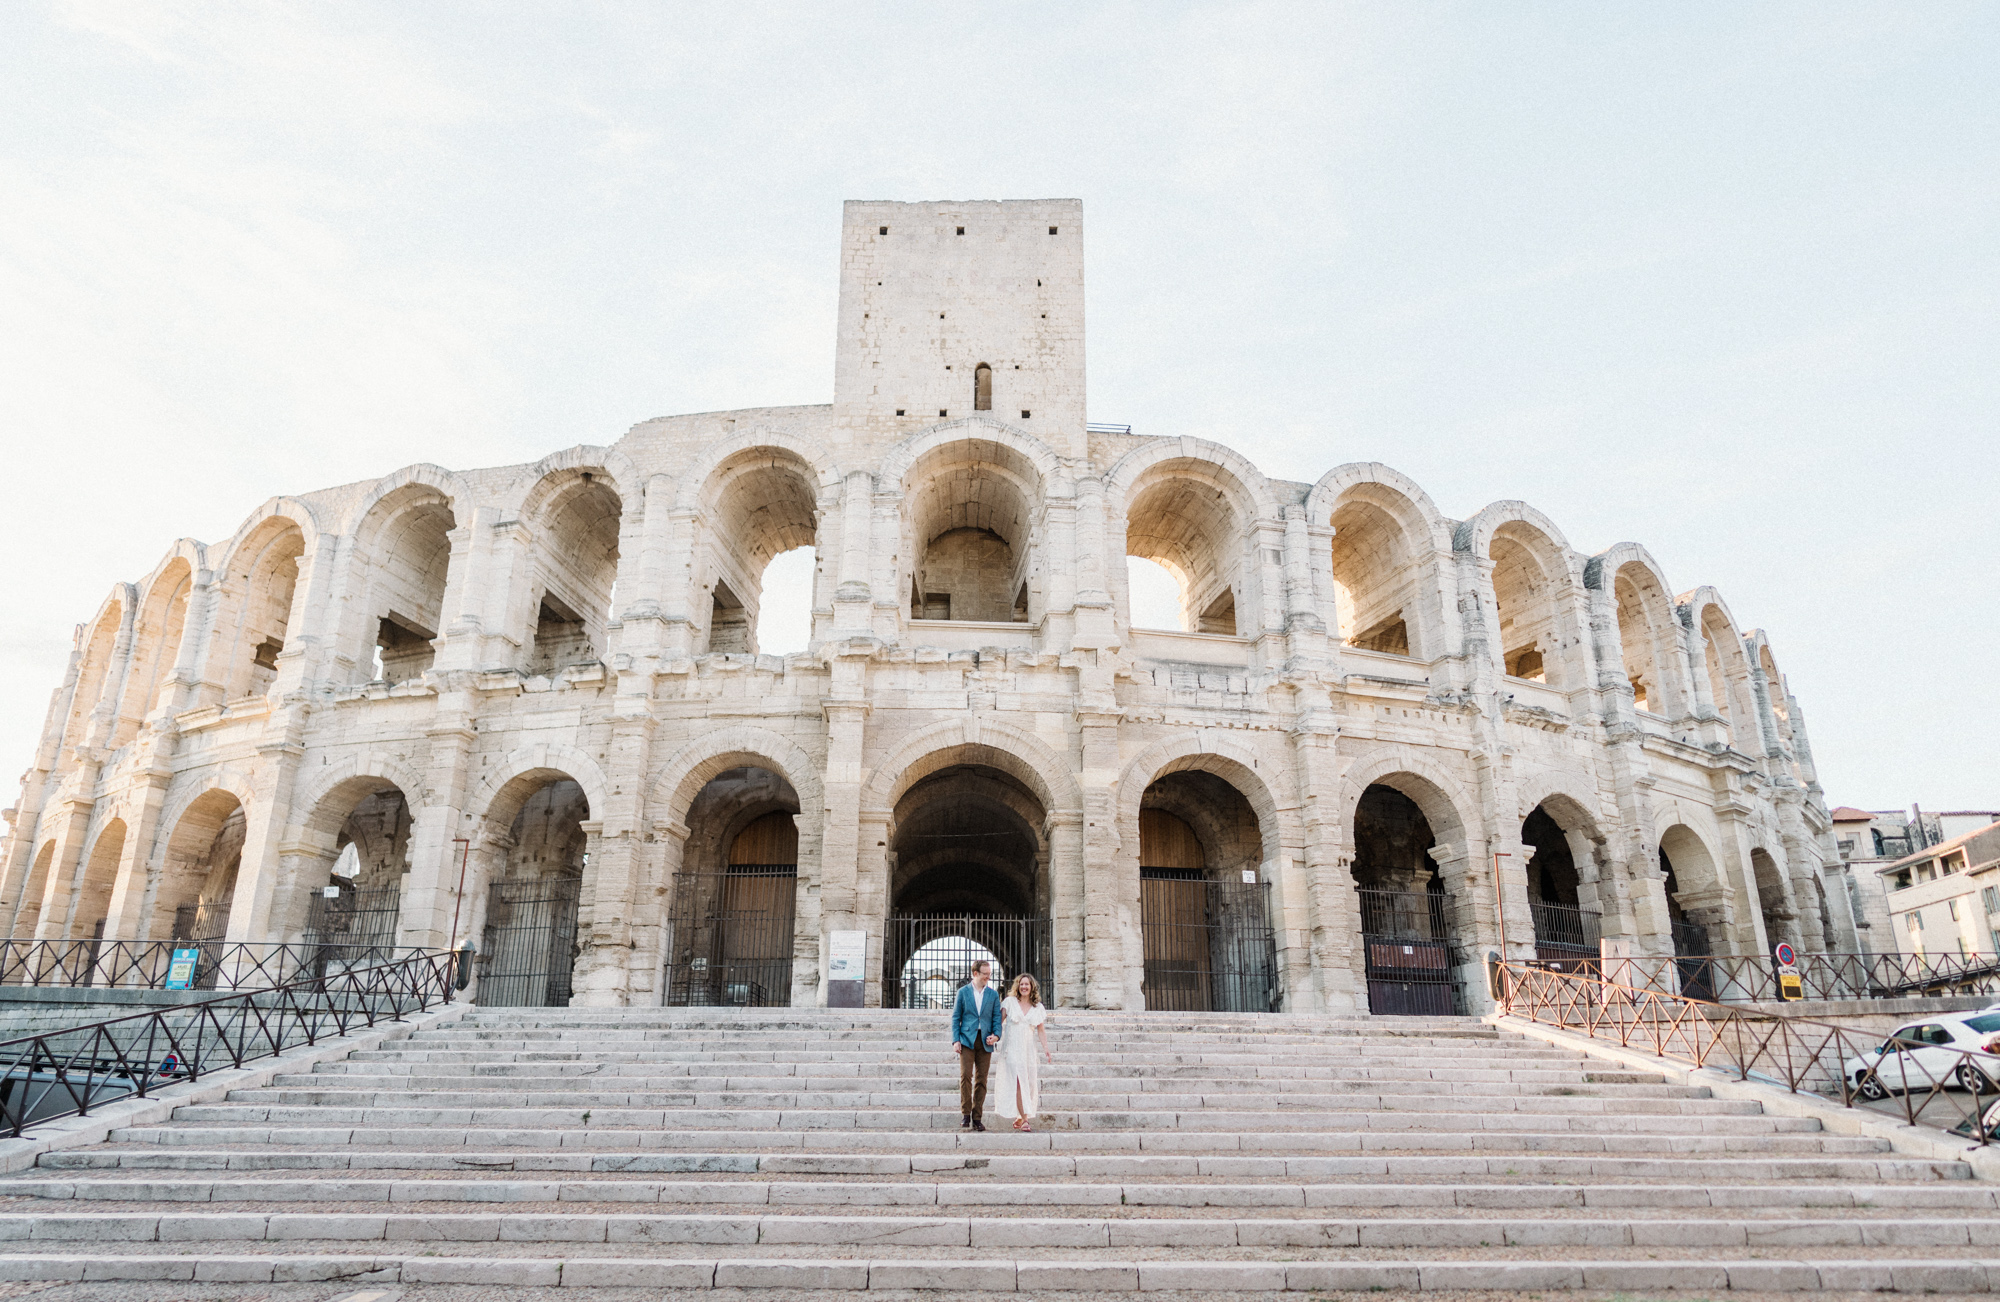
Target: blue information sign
{"x":180,"y":972}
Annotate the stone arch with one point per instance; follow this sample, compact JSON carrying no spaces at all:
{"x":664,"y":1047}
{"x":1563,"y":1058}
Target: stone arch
{"x":396,"y":575}
{"x":970,"y":545}
{"x":157,"y":635}
{"x":499,"y":795}
{"x":1648,"y":632}
{"x":199,"y":867}
{"x":99,"y":644}
{"x":374,"y":769}
{"x":1725,"y":664}
{"x":1205,"y":751}
{"x":901,"y":457}
{"x":1256,"y":501}
{"x":1434,"y":791}
{"x":697,"y":763}
{"x":1384,"y":561}
{"x":1532,"y":585}
{"x":973,"y":740}
{"x":547,"y":477}
{"x":1194,"y":519}
{"x":96,"y":879}
{"x":693,"y":489}
{"x":28,"y":908}
{"x":1774,"y":898}
{"x":262,"y":576}
{"x":753,"y":506}
{"x":580,"y":518}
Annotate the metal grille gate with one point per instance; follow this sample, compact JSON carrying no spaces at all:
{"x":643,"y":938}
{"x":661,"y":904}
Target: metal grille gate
{"x":1564,"y":931}
{"x":1209,"y":945}
{"x":731,"y":937}
{"x":355,"y":928}
{"x":204,"y":925}
{"x":927,"y":957}
{"x":1411,"y":948}
{"x":530,"y":943}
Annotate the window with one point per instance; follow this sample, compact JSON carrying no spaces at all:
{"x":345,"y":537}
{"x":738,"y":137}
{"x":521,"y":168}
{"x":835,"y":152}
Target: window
{"x":943,"y":412}
{"x":1954,"y":862}
{"x":1952,"y":906}
{"x":982,"y":388}
{"x":1915,"y":923}
{"x":899,"y":411}
{"x":883,"y":231}
{"x":1990,"y":897}
{"x":961,"y":230}
{"x":1846,"y":847}
{"x":1052,"y":230}
{"x":1024,"y":413}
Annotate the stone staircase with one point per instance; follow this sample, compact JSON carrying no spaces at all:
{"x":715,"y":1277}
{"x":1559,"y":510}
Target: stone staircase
{"x":710,"y":1148}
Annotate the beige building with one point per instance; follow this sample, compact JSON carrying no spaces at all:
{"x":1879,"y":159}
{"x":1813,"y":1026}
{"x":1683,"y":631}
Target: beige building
{"x":1945,"y":899}
{"x":525,"y":706}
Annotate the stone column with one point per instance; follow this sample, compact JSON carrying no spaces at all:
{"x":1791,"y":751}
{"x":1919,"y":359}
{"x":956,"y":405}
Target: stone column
{"x":604,"y":969}
{"x":845,"y":709}
{"x":1079,"y":982}
{"x":1113,"y":953}
{"x":1333,"y":909}
{"x":69,"y":825}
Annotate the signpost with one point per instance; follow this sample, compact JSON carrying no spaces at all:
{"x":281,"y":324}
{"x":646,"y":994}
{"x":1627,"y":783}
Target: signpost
{"x":1790,"y":985}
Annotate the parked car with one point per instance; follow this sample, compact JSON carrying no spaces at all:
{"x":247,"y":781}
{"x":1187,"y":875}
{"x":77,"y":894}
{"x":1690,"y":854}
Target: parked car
{"x":1924,"y":1055}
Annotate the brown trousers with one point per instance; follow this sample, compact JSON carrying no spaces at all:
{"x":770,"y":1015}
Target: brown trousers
{"x":972,"y":1064}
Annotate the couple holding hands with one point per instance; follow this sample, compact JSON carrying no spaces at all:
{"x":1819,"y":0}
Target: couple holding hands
{"x":985,"y":1026}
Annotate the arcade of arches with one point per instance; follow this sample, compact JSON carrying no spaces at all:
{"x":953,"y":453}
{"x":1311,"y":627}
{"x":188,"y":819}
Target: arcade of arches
{"x":540,"y":710}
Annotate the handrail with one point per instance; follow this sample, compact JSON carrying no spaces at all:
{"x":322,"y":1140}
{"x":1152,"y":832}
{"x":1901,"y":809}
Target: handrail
{"x":1730,"y":978}
{"x":1938,"y":1085}
{"x":146,"y":964}
{"x":67,"y":1072}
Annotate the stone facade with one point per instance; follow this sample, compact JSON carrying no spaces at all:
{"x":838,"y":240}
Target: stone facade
{"x":550,"y":672}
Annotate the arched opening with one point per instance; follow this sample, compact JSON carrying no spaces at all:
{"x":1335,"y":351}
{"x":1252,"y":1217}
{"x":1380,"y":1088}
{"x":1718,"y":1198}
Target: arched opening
{"x":156,"y":645}
{"x":1692,"y":947}
{"x":529,"y":947}
{"x":1526,"y":586}
{"x":1204,"y":911}
{"x":403,"y":552}
{"x":1410,"y":931}
{"x":94,"y":676}
{"x":969,"y":880}
{"x":28,"y":909}
{"x":1183,"y":517}
{"x":1773,"y":901}
{"x":575,"y":572}
{"x":265,"y":574}
{"x":1378,"y":582}
{"x":736,"y":894}
{"x":1728,"y":677}
{"x":982,"y":388}
{"x":968,"y":513}
{"x":198,"y":879}
{"x":1646,"y":632}
{"x":353,"y":908}
{"x":759,"y":549}
{"x":93,"y":888}
{"x":1564,"y":929}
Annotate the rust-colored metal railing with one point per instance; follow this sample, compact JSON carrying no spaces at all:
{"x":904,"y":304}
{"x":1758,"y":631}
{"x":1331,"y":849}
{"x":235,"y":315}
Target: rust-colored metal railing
{"x":68,"y":1072}
{"x":1918,"y":1080}
{"x":1727,"y":978}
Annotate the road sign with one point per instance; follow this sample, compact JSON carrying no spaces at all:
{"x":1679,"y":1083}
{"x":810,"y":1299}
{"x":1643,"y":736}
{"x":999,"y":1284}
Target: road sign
{"x":1786,"y":960}
{"x":1786,"y":956}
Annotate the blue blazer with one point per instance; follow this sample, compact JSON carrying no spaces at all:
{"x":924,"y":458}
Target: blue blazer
{"x":970,"y":1023}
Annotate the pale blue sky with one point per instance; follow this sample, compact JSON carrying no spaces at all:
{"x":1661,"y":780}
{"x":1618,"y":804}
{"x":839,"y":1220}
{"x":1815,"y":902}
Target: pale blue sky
{"x":1717,"y":278}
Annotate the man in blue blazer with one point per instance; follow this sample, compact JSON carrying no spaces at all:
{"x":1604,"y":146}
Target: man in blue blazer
{"x":975,"y":1029}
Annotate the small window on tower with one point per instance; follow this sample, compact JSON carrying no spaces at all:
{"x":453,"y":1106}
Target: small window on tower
{"x":1052,"y":231}
{"x":943,"y":412}
{"x":883,"y":231}
{"x":1024,"y":414}
{"x":961,"y":230}
{"x":899,"y":411}
{"x":982,"y":388}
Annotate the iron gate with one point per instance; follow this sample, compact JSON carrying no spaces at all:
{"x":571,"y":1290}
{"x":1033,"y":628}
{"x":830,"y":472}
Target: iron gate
{"x":1564,"y":931}
{"x":927,"y":957}
{"x":354,"y":927}
{"x":730,"y":937}
{"x":1411,"y":949}
{"x":530,"y":943}
{"x":1209,"y":946}
{"x":204,"y":925}
{"x":1693,"y":962}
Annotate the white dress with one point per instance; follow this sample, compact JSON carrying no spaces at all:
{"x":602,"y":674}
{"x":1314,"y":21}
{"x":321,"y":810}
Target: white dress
{"x":1015,"y":1060}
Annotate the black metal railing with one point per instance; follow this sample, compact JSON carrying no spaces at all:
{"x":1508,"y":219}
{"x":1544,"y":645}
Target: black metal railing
{"x":731,"y":937}
{"x":148,"y":964}
{"x":1741,"y":978}
{"x":927,"y":957}
{"x":1209,"y":945}
{"x":69,"y":1072}
{"x":1919,"y":1081}
{"x":1565,"y":931}
{"x":1411,"y":953}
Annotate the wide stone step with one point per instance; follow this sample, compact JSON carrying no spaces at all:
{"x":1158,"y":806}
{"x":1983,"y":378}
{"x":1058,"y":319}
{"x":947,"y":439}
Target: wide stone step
{"x":821,"y":1193}
{"x":1934,"y":1273}
{"x":944,"y":1139}
{"x":944,"y":1097}
{"x":563,"y":1075}
{"x":1009,"y":1232}
{"x":1049,"y":1165}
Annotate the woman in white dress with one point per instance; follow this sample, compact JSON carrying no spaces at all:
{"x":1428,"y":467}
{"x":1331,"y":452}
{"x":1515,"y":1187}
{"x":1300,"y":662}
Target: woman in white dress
{"x":1017,"y":1085}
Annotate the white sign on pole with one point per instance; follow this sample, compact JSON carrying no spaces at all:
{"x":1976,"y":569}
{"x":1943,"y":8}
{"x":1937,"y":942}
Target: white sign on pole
{"x":847,"y":956}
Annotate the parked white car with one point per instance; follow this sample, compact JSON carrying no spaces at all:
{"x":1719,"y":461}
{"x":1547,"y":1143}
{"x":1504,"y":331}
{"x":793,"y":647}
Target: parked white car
{"x":1924,"y":1055}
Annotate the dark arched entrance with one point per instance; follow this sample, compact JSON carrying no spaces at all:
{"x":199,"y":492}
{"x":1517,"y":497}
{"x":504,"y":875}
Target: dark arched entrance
{"x":1204,"y":911}
{"x":1564,"y":929}
{"x":1408,"y":934}
{"x":968,"y":867}
{"x":736,"y":894}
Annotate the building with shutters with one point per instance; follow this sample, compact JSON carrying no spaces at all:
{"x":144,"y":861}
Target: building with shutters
{"x":526,"y":707}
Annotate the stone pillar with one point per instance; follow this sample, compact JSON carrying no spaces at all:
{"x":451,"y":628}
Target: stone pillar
{"x":1113,"y":954}
{"x":1333,"y":909}
{"x":265,"y":820}
{"x":438,"y":818}
{"x":845,"y":709}
{"x":604,"y":970}
{"x":853,"y":605}
{"x":1080,"y":982}
{"x":69,"y":824}
{"x":124,"y":919}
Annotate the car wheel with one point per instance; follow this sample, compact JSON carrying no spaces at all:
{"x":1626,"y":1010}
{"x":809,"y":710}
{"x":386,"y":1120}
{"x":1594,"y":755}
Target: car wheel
{"x":1973,"y":1080}
{"x":1870,"y":1088}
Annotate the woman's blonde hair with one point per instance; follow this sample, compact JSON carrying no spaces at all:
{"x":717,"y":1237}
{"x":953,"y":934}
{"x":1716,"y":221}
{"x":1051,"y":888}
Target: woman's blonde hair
{"x":1034,"y":988}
